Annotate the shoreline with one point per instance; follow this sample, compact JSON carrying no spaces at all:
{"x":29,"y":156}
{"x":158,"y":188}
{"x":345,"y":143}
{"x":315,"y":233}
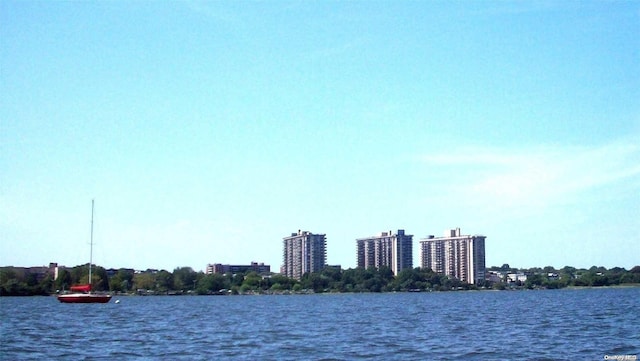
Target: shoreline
{"x":311,"y":292}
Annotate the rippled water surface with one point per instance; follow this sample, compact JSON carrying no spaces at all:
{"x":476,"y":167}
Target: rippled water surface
{"x":584,"y":324}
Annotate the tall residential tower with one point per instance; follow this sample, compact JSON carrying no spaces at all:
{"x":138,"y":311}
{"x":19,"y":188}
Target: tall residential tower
{"x":303,"y":252}
{"x":391,"y":250}
{"x":456,"y":255}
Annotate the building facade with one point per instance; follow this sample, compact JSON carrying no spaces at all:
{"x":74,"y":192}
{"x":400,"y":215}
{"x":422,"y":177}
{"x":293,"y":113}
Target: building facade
{"x":387,"y":249}
{"x":227,"y":268}
{"x":303,"y":252}
{"x":455,"y":255}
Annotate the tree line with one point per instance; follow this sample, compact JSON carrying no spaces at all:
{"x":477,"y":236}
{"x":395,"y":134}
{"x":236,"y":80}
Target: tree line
{"x":568,"y":277}
{"x":16,"y":281}
{"x":184,"y":280}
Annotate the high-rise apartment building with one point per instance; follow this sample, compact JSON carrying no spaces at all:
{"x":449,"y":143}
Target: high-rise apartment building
{"x":387,"y":249}
{"x":303,"y":252}
{"x":456,"y":255}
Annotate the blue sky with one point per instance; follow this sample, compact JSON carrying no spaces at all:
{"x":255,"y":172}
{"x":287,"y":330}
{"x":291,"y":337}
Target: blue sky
{"x":208,"y":131}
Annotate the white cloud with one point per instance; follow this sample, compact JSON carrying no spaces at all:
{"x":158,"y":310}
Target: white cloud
{"x":539,"y":176}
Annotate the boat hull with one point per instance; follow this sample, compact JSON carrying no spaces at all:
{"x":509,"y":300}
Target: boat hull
{"x":84,"y":298}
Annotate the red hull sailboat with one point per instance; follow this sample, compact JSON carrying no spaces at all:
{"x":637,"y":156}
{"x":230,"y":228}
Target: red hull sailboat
{"x":82,"y":293}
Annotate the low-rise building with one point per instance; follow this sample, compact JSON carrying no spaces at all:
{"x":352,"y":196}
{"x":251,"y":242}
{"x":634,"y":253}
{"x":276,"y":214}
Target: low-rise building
{"x":516,"y":277}
{"x":220,"y":268}
{"x":495,"y":276}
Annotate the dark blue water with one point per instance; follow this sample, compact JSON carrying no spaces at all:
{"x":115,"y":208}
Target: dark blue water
{"x":584,"y":324}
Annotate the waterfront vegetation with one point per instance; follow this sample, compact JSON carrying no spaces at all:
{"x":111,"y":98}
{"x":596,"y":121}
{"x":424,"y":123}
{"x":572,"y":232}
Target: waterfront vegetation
{"x":184,"y":280}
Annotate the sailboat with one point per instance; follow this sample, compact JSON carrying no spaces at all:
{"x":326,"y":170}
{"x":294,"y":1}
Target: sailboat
{"x":82,"y":293}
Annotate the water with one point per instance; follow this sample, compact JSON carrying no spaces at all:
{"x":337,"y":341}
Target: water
{"x":584,"y":324}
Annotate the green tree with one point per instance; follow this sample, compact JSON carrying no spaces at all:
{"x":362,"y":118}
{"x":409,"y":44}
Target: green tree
{"x":212,"y":284}
{"x":80,"y":274}
{"x":534,"y":280}
{"x":184,"y":278}
{"x":11,"y":285}
{"x":144,"y":281}
{"x":8,"y":282}
{"x":117,"y":283}
{"x":280,"y":283}
{"x":235,"y":279}
{"x":100,"y":279}
{"x":419,"y":279}
{"x":568,"y":271}
{"x":386,"y":274}
{"x":353,"y":277}
{"x":615,"y":275}
{"x":252,"y":281}
{"x":630,"y":277}
{"x":553,"y":284}
{"x":407,"y":279}
{"x":333,"y":275}
{"x":164,"y":281}
{"x":122,"y":281}
{"x":45,"y":286}
{"x":63,"y":282}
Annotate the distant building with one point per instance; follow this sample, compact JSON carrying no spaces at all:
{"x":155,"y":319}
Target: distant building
{"x":38,"y":273}
{"x":147,"y":271}
{"x":518,"y":277}
{"x":303,"y":252}
{"x":495,"y":276}
{"x":387,"y":249}
{"x":114,"y":271}
{"x":455,"y":255}
{"x":227,"y":268}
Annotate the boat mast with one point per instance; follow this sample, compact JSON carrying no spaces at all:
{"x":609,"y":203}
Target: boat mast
{"x":91,"y":246}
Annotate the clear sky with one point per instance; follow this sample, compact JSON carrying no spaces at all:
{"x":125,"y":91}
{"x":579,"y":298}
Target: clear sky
{"x":208,"y":131}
